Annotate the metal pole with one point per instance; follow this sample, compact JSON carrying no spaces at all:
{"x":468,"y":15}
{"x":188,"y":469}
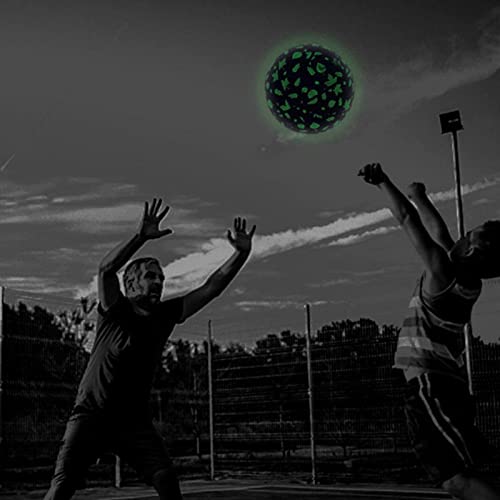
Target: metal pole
{"x":160,"y":412}
{"x":458,"y":186}
{"x":118,"y":471}
{"x":451,"y":122}
{"x":210,"y":402}
{"x":310,"y":394}
{"x":195,"y":414}
{"x":1,"y":368}
{"x":461,"y":234}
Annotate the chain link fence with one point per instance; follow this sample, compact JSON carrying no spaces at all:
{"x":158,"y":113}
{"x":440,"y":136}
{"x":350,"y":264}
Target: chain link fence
{"x":262,"y":399}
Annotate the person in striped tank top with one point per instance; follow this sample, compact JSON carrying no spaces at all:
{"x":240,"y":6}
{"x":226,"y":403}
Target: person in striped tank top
{"x":439,"y":408}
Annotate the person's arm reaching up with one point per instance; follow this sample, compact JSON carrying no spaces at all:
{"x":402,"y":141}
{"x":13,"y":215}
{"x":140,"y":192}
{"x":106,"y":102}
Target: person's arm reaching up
{"x":434,"y":256}
{"x":217,"y":282}
{"x":108,"y":284}
{"x":431,"y":217}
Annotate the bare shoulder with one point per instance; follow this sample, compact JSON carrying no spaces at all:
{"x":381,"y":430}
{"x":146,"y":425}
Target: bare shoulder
{"x":440,"y":271}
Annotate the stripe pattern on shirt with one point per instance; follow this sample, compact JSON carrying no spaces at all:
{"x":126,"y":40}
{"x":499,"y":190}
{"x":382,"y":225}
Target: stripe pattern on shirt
{"x":430,"y":343}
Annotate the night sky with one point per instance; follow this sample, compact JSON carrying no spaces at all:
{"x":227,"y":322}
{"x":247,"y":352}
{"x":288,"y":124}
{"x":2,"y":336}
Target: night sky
{"x":107,"y":104}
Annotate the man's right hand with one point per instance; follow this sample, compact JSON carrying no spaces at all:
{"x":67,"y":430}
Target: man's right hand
{"x":150,"y":225}
{"x":416,"y":190}
{"x":373,"y":174}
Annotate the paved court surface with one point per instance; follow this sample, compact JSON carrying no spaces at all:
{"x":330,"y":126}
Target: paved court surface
{"x":291,"y":493}
{"x":252,"y":490}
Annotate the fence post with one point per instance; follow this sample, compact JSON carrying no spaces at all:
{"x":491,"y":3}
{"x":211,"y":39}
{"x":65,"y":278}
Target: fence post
{"x":310,"y":393}
{"x":195,"y":415}
{"x":210,"y":402}
{"x":1,"y":375}
{"x":159,"y":402}
{"x":118,"y":472}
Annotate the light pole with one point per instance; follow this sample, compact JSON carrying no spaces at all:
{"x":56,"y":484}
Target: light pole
{"x":451,"y":123}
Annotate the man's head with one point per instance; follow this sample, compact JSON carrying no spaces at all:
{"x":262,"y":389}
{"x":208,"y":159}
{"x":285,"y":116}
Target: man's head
{"x":143,"y":280}
{"x":478,"y":252}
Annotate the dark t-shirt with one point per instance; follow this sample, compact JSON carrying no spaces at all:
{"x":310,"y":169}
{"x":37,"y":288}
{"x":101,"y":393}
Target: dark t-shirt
{"x":123,"y":362}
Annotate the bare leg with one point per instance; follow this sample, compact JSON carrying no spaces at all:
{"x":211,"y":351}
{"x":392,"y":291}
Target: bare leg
{"x":470,"y":488}
{"x":59,"y":491}
{"x":166,"y":484}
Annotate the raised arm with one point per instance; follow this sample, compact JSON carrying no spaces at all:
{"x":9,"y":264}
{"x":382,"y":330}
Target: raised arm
{"x":218,"y":281}
{"x":434,"y":257}
{"x":432,"y":219}
{"x":108,"y":284}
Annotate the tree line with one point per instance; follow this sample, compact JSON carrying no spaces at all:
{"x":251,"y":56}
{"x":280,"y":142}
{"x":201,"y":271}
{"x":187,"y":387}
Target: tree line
{"x":260,"y":391}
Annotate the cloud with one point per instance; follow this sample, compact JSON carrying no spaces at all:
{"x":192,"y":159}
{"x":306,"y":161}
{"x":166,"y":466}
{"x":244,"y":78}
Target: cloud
{"x":482,"y":201}
{"x":37,"y":198}
{"x":191,"y":270}
{"x":92,"y":220}
{"x":466,"y":189}
{"x":37,"y":204}
{"x":36,"y":285}
{"x":103,"y":219}
{"x":328,"y":214}
{"x":334,"y":282}
{"x":89,"y":290}
{"x":77,"y":198}
{"x":356,"y":238}
{"x":8,"y":203}
{"x":12,"y":191}
{"x":376,"y":272}
{"x":250,"y":305}
{"x":355,"y":277}
{"x":95,"y":189}
{"x":74,"y":255}
{"x":281,"y":142}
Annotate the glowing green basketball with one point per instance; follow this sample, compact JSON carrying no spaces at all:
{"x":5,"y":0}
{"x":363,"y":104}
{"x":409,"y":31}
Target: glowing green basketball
{"x":309,"y":89}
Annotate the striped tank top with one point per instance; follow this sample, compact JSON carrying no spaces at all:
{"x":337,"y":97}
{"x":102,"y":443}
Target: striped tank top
{"x":432,"y":337}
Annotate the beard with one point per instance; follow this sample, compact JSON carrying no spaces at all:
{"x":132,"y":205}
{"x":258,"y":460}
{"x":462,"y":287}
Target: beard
{"x":145,"y":299}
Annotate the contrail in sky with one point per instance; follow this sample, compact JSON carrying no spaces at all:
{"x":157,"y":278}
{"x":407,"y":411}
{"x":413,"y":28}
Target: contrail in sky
{"x":6,"y":164}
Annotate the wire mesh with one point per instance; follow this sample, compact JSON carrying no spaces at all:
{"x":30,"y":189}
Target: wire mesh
{"x":261,"y":412}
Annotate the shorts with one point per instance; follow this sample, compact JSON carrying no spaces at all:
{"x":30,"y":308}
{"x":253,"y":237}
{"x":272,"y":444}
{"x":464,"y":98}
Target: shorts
{"x":87,"y":437}
{"x":440,"y":413}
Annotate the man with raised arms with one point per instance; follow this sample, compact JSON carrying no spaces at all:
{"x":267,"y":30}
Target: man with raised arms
{"x":111,"y":411}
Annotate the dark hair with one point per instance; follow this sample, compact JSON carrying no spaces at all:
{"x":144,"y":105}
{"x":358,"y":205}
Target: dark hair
{"x":132,"y":269}
{"x":487,"y":249}
{"x":491,"y":232}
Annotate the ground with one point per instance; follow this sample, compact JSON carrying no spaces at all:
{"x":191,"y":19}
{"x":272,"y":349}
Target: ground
{"x":251,"y":490}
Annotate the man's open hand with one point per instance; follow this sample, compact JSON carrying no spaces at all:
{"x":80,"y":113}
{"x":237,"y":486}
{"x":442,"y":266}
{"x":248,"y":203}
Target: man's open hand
{"x":150,"y":225}
{"x":241,"y":241}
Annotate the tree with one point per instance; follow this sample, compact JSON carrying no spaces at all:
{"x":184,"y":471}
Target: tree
{"x":76,"y":325}
{"x":41,"y":375}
